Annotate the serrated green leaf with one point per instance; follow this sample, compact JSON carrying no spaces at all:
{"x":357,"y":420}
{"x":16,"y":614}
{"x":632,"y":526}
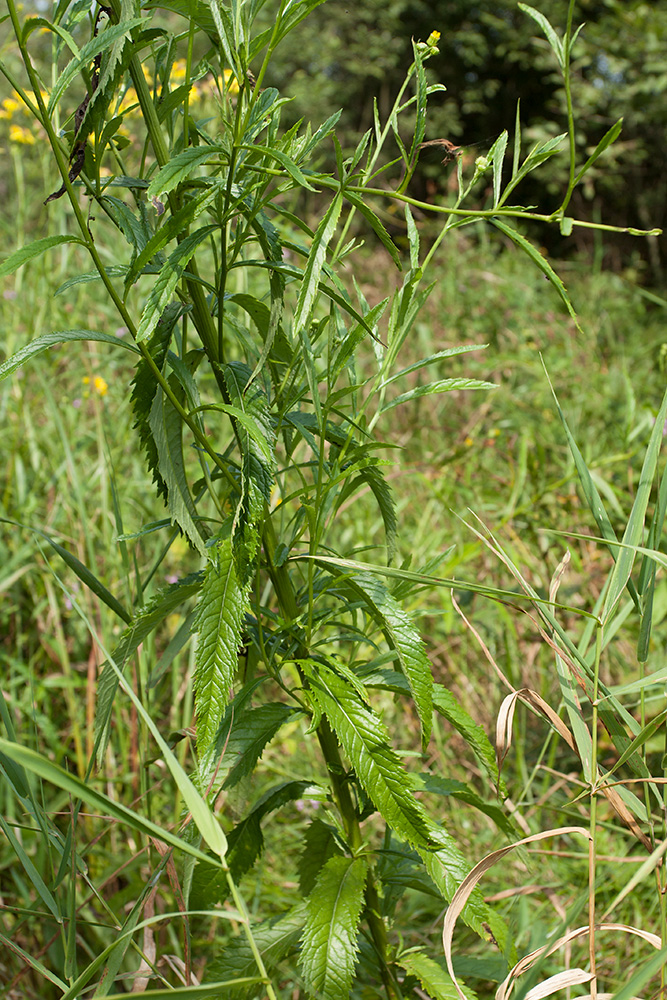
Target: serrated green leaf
{"x":537,"y":258}
{"x":446,"y":705}
{"x":146,"y":621}
{"x":59,"y":337}
{"x":144,"y":388}
{"x":113,"y":271}
{"x":457,"y":789}
{"x":319,"y":845}
{"x":444,"y":385}
{"x":275,"y":939}
{"x":285,"y":161}
{"x":365,"y":740}
{"x":167,"y":280}
{"x":377,"y":227}
{"x":220,"y":616}
{"x":329,"y":944}
{"x":247,"y":735}
{"x":404,"y":638}
{"x":167,"y":430}
{"x":104,"y":40}
{"x":244,"y":844}
{"x":437,"y":983}
{"x":32,"y":250}
{"x":179,"y":169}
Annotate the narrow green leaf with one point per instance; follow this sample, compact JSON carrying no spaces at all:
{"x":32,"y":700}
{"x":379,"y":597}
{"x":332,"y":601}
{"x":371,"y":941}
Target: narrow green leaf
{"x":633,"y":533}
{"x":432,"y":359}
{"x":275,"y":938}
{"x":285,"y":161}
{"x":377,"y":227}
{"x":537,"y":258}
{"x":113,"y":271}
{"x":44,"y":768}
{"x":310,"y":286}
{"x":437,"y":983}
{"x":167,"y":429}
{"x":404,"y":638}
{"x":365,"y":740}
{"x":32,"y":250}
{"x":329,"y":945}
{"x":607,"y":139}
{"x":50,"y":340}
{"x":145,"y":622}
{"x":179,"y":169}
{"x":497,"y":156}
{"x":167,"y":280}
{"x":245,"y":735}
{"x":220,"y":617}
{"x":445,"y":385}
{"x":555,"y":42}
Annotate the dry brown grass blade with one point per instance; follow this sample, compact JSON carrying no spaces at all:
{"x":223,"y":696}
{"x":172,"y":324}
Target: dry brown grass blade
{"x":461,"y":895}
{"x":528,"y":961}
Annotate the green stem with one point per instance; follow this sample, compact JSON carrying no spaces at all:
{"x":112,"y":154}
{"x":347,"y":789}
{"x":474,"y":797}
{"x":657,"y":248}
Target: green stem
{"x":593,"y":815}
{"x":570,"y":111}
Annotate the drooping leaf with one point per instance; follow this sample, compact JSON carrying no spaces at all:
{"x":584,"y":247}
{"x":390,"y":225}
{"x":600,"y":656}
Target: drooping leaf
{"x":144,"y":387}
{"x":42,"y":344}
{"x":329,"y":944}
{"x":435,"y":981}
{"x":145,"y":622}
{"x":167,"y":280}
{"x":457,"y":789}
{"x":404,"y":638}
{"x":365,"y":740}
{"x":275,"y":939}
{"x":447,"y":705}
{"x":167,"y":430}
{"x":320,"y":844}
{"x":221,"y":610}
{"x":247,"y":734}
{"x":32,"y":250}
{"x":244,"y":844}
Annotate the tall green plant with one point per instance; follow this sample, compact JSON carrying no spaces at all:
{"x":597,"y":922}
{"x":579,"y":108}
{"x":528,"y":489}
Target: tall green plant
{"x":257,"y":403}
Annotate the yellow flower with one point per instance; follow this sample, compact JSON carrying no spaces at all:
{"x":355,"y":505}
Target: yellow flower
{"x":433,"y":38}
{"x":10,"y":105}
{"x":99,"y":384}
{"x":231,"y":81}
{"x":22,"y":135}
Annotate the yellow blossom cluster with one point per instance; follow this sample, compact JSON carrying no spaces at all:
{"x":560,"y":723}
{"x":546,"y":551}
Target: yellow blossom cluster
{"x":99,"y":385}
{"x":12,"y":108}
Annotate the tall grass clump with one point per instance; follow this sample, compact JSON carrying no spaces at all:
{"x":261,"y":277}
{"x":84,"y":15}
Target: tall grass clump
{"x":262,"y":388}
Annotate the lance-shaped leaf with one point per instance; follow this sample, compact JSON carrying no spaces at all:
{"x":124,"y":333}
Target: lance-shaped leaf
{"x":403,"y":637}
{"x":220,"y":615}
{"x":310,"y":284}
{"x":446,"y":705}
{"x":167,"y":280}
{"x":244,"y":734}
{"x":167,"y":430}
{"x":319,"y":845}
{"x":437,"y":983}
{"x":145,"y":622}
{"x":244,"y":844}
{"x":42,"y":344}
{"x":144,"y":387}
{"x":32,"y":250}
{"x":329,"y":944}
{"x":275,"y":940}
{"x":366,"y":742}
{"x":179,"y":169}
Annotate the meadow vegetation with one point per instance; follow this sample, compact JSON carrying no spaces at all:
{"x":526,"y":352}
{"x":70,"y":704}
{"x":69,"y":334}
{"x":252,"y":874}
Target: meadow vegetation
{"x":405,"y":604}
